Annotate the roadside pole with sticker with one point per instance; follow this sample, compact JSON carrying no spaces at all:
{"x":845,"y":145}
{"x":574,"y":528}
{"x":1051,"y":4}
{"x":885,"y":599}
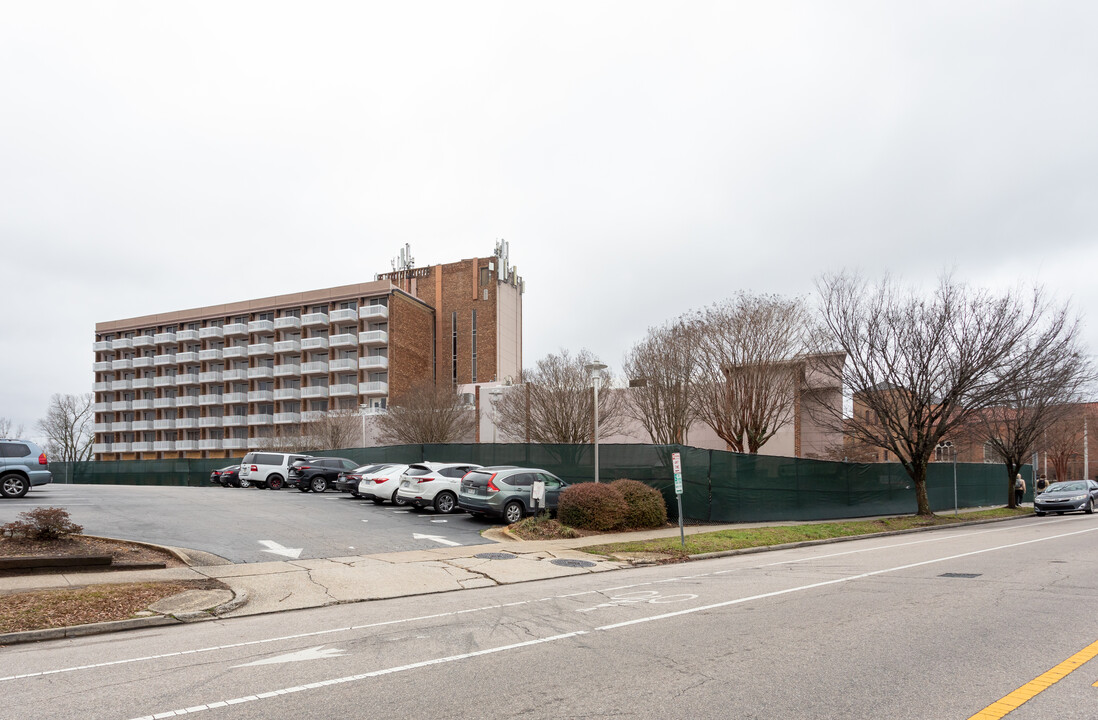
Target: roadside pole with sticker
{"x":676,"y":465}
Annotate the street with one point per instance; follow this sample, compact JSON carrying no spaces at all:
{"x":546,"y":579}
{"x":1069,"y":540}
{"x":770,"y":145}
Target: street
{"x":930,"y":625}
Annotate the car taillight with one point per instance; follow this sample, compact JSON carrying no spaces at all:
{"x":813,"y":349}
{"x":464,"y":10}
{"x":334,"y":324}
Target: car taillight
{"x":42,"y":459}
{"x":255,"y":468}
{"x":425,"y":479}
{"x":304,"y":467}
{"x":491,"y":485}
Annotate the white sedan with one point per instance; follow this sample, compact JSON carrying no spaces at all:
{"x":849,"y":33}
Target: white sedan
{"x":435,"y":484}
{"x":382,"y":485}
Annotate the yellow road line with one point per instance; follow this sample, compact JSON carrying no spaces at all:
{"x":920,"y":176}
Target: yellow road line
{"x":1030,"y":690}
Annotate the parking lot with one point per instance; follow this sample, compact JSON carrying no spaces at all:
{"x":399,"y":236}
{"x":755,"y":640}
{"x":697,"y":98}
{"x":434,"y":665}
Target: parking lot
{"x":250,"y":525}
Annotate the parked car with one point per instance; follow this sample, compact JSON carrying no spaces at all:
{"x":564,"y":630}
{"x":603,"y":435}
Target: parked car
{"x":434,"y":484}
{"x":1062,"y":497}
{"x":267,"y":469}
{"x":504,"y":491}
{"x":22,"y":465}
{"x":216,"y":475}
{"x":382,"y":485}
{"x":348,"y":481}
{"x":317,"y":473}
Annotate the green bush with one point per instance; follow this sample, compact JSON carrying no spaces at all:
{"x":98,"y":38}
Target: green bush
{"x":646,"y":508}
{"x":591,"y":506}
{"x":44,"y":523}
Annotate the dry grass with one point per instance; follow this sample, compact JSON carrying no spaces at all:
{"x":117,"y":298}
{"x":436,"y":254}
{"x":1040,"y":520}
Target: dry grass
{"x":119,"y":550}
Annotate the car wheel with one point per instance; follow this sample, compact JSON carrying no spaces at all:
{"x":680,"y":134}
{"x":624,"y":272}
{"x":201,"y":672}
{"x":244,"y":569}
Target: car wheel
{"x":445,"y":502}
{"x":245,"y":482}
{"x":318,"y":484}
{"x":1059,"y":512}
{"x":1038,"y":513}
{"x":355,"y":494}
{"x":275,"y":482}
{"x":377,"y":501}
{"x":14,"y":485}
{"x":397,"y":500}
{"x":513,"y":512}
{"x":1089,"y":508}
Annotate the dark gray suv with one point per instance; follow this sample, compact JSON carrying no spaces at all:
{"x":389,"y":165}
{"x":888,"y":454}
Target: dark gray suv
{"x":505,"y":491}
{"x":22,"y":464}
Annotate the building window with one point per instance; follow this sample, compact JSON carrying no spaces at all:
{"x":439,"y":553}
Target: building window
{"x":474,"y":346}
{"x":991,"y":455}
{"x":348,"y":305}
{"x":944,"y":451}
{"x":454,"y":345}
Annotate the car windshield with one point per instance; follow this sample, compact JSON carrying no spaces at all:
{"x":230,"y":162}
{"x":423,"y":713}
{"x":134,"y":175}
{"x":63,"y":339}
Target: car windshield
{"x":366,"y":469}
{"x":1067,"y":487}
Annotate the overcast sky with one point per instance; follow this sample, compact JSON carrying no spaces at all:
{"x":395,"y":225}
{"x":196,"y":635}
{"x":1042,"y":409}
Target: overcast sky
{"x":643,"y":159}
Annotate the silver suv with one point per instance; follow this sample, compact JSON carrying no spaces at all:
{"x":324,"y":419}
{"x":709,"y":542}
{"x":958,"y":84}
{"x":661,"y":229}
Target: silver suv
{"x":22,"y":464}
{"x":267,"y":469}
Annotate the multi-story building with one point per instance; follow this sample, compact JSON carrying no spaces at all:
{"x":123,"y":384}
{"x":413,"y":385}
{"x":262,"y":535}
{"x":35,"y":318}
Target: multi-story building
{"x":213,"y":381}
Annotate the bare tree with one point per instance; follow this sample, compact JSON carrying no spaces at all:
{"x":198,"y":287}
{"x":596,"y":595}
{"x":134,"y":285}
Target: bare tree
{"x":428,"y":414}
{"x":335,"y":430}
{"x":287,"y":439}
{"x":748,"y":350}
{"x":555,"y":403}
{"x":662,"y":370}
{"x":1063,"y":441}
{"x":67,"y":427}
{"x":8,"y":428}
{"x":921,"y":368}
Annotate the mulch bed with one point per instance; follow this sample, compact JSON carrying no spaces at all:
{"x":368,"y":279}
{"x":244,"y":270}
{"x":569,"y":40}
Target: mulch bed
{"x":120,"y":551}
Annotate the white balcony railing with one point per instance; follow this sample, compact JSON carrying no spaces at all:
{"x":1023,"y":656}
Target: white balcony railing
{"x":209,"y":333}
{"x":233,"y":375}
{"x":313,"y":392}
{"x":186,"y":445}
{"x":144,"y":383}
{"x":210,"y":355}
{"x":261,"y":396}
{"x":187,"y":335}
{"x":101,"y":448}
{"x":143,"y":425}
{"x":263,"y":419}
{"x":287,"y":346}
{"x":102,"y":366}
{"x":342,"y":390}
{"x":260,"y":349}
{"x":161,"y":360}
{"x":287,"y":370}
{"x":312,"y":415}
{"x":344,"y":340}
{"x":373,"y":313}
{"x":142,"y":362}
{"x":166,"y":338}
{"x":184,"y":401}
{"x":234,"y":421}
{"x":314,"y":368}
{"x":164,"y":446}
{"x":161,"y":403}
{"x":342,"y":364}
{"x":287,"y":323}
{"x":209,"y":444}
{"x":261,"y":326}
{"x":101,"y":346}
{"x":287,"y":418}
{"x":164,"y":424}
{"x":235,"y":443}
{"x":187,"y":423}
{"x":210,"y":400}
{"x":210,"y":422}
{"x":102,"y":427}
{"x":212,"y":376}
{"x":374,"y":388}
{"x":235,"y":330}
{"x":314,"y":343}
{"x":343,"y":315}
{"x":314,"y":319}
{"x":101,"y":407}
{"x":186,"y":357}
{"x":123,"y":426}
{"x":122,"y":405}
{"x":187,"y":379}
{"x":122,"y":385}
{"x":164,"y":381}
{"x":122,"y":344}
{"x":123,"y":364}
{"x":104,"y":386}
{"x":373,"y":362}
{"x":143,"y":447}
{"x":120,"y":447}
{"x":287,"y":394}
{"x":144,"y":341}
{"x":144,"y":404}
{"x":373,"y":337}
{"x":238,"y":352}
{"x":261,"y":373}
{"x":235,"y":398}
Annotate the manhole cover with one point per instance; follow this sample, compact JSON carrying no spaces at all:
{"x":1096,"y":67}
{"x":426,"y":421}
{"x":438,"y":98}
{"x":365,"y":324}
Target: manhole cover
{"x":960,"y":575}
{"x":566,"y":562}
{"x":495,"y":556}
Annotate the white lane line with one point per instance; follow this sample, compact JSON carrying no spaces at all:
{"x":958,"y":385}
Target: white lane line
{"x":613,"y":626}
{"x":485,"y":608}
{"x":362,"y":676}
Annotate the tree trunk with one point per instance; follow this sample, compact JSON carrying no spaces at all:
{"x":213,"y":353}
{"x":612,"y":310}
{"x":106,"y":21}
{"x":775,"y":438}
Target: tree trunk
{"x":1013,"y":469}
{"x":918,"y":474}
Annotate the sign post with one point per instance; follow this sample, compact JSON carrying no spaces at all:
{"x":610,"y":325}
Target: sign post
{"x":676,"y":465}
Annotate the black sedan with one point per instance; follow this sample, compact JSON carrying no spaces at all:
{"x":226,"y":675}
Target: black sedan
{"x":1069,"y":496}
{"x":318,"y":473}
{"x":226,"y":476}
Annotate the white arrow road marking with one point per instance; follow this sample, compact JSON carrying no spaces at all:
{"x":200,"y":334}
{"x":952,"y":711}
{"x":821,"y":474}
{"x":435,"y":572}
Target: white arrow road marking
{"x":313,"y":653}
{"x":273,"y":547}
{"x":436,"y":538}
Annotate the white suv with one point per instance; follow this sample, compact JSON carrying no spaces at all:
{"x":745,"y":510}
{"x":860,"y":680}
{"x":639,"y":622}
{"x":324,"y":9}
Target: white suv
{"x":267,"y":469}
{"x":431,"y":483}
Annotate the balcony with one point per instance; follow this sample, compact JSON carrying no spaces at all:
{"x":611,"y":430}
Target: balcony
{"x":287,"y":370}
{"x":261,"y":373}
{"x":287,"y":346}
{"x":373,"y":362}
{"x":261,"y":396}
{"x":235,"y":443}
{"x":314,"y":343}
{"x":143,"y":447}
{"x":101,"y":407}
{"x":186,"y":445}
{"x":102,"y":427}
{"x":343,"y":315}
{"x":166,"y":338}
{"x":343,"y":364}
{"x":313,"y":415}
{"x":122,"y":447}
{"x":102,"y":386}
{"x":209,"y":355}
{"x":164,"y":446}
{"x":234,"y":375}
{"x":345,"y":340}
{"x":373,"y":313}
{"x":142,"y":362}
{"x":375,"y":388}
{"x":314,"y":319}
{"x":209,"y":333}
{"x":143,"y":425}
{"x":163,"y":424}
{"x":290,"y":418}
{"x":343,"y":390}
{"x":209,"y":444}
{"x":204,"y":400}
{"x":308,"y":393}
{"x":144,"y":341}
{"x":102,"y":366}
{"x":187,"y":335}
{"x":235,"y":330}
{"x":261,"y":419}
{"x":101,"y":346}
{"x":188,"y":423}
{"x":287,"y":394}
{"x":164,"y":381}
{"x":314,"y":368}
{"x":122,"y":344}
{"x":210,"y":422}
{"x":123,"y":364}
{"x":261,"y":349}
{"x":261,"y":326}
{"x":187,"y":379}
{"x":162,"y":360}
{"x":235,"y":353}
{"x":234,"y":421}
{"x":287,"y":323}
{"x":123,"y":426}
{"x":122,"y":385}
{"x":143,"y":383}
{"x":161,"y":403}
{"x":235,"y":398}
{"x":143,"y":404}
{"x":186,"y":357}
{"x":373,"y":337}
{"x":212,"y":376}
{"x":100,"y":448}
{"x":122,"y":405}
{"x":187,"y":401}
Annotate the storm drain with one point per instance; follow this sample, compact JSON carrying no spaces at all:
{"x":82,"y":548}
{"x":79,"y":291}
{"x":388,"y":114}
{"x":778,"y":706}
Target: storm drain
{"x":568,"y":562}
{"x":960,"y":575}
{"x":495,"y":556}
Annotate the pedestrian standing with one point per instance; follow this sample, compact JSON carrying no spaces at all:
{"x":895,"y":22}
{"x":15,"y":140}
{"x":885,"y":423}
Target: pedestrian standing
{"x":1041,"y":484}
{"x":1019,"y":489}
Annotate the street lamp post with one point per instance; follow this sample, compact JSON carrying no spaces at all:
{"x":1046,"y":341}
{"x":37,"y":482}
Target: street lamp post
{"x":594,"y":368}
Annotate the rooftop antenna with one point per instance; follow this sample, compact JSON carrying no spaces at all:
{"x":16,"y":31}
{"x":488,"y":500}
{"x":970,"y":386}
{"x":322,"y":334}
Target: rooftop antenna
{"x":404,"y":261}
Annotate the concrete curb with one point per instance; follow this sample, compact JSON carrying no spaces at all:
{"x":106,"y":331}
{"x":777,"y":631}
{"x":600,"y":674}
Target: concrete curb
{"x":90,"y":629}
{"x":180,"y":554}
{"x":236,"y":603}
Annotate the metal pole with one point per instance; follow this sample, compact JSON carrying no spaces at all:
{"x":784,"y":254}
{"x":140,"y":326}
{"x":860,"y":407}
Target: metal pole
{"x":1086,"y":448}
{"x":682,"y":533}
{"x":954,"y":481}
{"x":596,"y":428}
